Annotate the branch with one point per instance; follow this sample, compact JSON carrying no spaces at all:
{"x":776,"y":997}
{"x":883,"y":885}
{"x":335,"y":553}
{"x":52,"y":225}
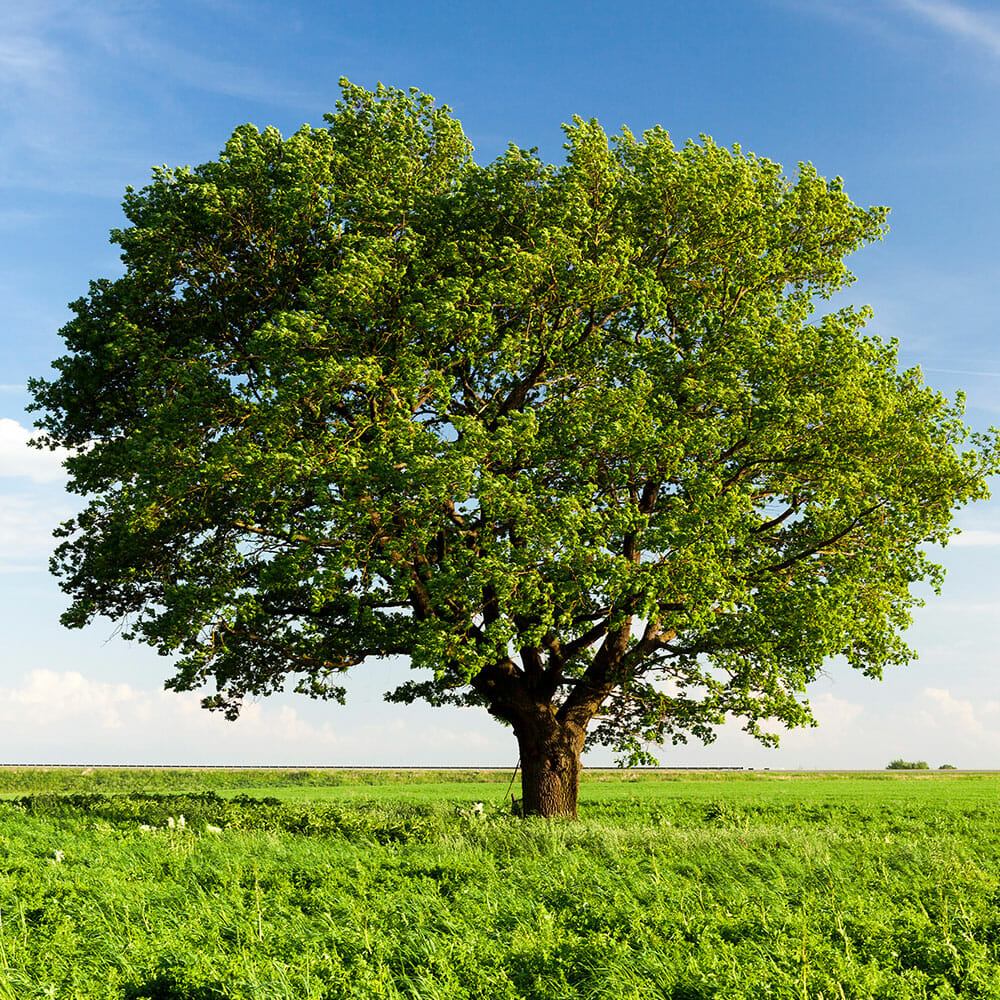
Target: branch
{"x":775,"y":521}
{"x":599,"y":679}
{"x":330,"y":543}
{"x":519,"y":393}
{"x":825,"y":543}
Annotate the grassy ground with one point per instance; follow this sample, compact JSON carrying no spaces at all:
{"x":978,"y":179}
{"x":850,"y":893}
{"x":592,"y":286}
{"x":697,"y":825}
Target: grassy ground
{"x":737,"y":885}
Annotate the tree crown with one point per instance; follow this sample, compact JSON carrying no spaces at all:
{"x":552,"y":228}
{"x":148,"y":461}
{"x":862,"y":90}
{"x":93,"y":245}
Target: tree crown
{"x":566,"y":437}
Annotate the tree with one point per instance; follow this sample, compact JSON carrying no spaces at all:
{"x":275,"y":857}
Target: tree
{"x":907,"y":765}
{"x":567,"y":438}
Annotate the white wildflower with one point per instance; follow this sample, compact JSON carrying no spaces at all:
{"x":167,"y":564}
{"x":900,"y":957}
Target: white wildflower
{"x":58,"y":855}
{"x":212,"y":829}
{"x":171,"y":822}
{"x":145,"y":827}
{"x":181,"y":822}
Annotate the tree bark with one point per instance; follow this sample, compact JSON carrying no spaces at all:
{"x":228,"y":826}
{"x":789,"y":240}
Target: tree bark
{"x":550,"y":766}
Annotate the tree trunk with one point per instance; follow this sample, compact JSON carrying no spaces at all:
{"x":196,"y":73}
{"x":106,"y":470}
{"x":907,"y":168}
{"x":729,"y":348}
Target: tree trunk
{"x":550,"y":766}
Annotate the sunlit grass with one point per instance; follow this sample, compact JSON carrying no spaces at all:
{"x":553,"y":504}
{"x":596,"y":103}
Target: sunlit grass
{"x":746,"y":889}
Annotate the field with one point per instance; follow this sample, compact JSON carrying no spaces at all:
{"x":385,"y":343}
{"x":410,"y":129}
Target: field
{"x":321,"y":885}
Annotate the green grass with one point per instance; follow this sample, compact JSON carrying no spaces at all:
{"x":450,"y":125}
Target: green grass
{"x":24,"y":780}
{"x":671,"y":886}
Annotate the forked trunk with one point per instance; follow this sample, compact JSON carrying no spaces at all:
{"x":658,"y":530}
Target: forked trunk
{"x":550,"y":767}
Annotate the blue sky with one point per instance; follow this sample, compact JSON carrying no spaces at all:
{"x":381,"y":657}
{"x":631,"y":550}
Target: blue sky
{"x":899,"y":97}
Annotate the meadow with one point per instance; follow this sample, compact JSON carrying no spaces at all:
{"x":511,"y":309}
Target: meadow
{"x":321,"y":885}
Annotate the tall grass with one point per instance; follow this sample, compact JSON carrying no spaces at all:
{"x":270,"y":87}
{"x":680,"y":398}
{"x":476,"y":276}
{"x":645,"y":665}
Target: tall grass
{"x":747,"y":892}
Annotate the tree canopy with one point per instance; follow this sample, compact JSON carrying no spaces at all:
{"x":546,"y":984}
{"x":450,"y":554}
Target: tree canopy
{"x":574,"y":440}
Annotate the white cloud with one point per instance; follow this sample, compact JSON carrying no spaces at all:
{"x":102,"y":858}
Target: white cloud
{"x":18,"y":459}
{"x":976,"y":539}
{"x":838,"y":721}
{"x":967,"y":723}
{"x":65,"y":716}
{"x":53,"y":706}
{"x":50,"y":700}
{"x":835,"y":712}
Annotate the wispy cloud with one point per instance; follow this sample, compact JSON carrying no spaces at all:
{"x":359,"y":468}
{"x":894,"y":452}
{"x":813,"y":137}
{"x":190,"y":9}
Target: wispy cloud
{"x":27,"y":62}
{"x":52,"y":58}
{"x":212,"y":75}
{"x":960,"y":371}
{"x":26,"y":541}
{"x":26,"y":525}
{"x":90,"y":89}
{"x":32,"y":502}
{"x":881,"y":19}
{"x":860,"y":16}
{"x":966,"y":23}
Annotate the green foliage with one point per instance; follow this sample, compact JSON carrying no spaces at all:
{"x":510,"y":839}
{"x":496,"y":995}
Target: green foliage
{"x":569,"y":438}
{"x":907,"y":765}
{"x":670,"y":886}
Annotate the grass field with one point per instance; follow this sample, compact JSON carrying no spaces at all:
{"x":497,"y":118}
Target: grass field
{"x":330,"y":884}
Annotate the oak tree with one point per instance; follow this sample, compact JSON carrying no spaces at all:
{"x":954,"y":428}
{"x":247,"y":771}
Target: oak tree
{"x":574,"y":440}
